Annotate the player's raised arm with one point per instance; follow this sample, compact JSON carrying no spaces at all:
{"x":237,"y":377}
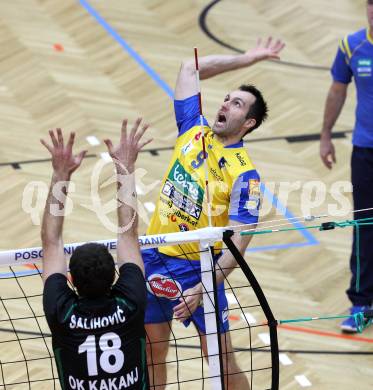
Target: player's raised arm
{"x":213,"y":65}
{"x":124,"y":156}
{"x":64,"y":164}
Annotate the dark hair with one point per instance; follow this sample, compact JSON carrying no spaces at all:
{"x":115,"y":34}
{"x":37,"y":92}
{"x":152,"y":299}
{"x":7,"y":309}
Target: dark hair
{"x":92,"y":268}
{"x":258,"y":110}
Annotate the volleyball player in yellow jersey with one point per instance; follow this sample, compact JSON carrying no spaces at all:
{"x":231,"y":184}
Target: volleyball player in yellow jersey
{"x":234,"y":192}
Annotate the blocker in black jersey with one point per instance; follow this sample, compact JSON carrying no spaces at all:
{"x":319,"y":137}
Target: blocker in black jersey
{"x":99,"y":343}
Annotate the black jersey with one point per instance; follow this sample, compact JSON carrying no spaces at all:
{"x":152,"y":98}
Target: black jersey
{"x":99,"y":343}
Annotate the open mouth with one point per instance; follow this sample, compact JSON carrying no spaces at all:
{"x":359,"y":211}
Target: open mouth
{"x":221,"y":119}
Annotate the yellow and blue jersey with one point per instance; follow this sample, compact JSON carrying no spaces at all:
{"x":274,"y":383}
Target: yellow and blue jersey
{"x":234,"y":184}
{"x":354,"y":59}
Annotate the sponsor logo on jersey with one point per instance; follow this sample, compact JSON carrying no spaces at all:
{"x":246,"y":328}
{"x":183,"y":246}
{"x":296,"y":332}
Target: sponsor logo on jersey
{"x":172,"y":213}
{"x":168,"y":188}
{"x":240,"y":159}
{"x":190,"y":145}
{"x":365,"y":62}
{"x":222,"y":163}
{"x":179,"y":200}
{"x":186,"y":218}
{"x":185,"y":183}
{"x":183,"y":227}
{"x":364,"y":67}
{"x":178,"y":214}
{"x":216,"y":175}
{"x":187,"y":147}
{"x":198,"y":136}
{"x":254,"y":188}
{"x":164,"y":287}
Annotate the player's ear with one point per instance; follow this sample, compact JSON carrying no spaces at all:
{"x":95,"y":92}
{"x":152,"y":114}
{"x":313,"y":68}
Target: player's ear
{"x":249,"y":124}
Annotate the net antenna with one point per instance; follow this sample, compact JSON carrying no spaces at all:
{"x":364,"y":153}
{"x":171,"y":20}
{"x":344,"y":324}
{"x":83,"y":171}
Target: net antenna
{"x":208,"y":270}
{"x":205,"y":155}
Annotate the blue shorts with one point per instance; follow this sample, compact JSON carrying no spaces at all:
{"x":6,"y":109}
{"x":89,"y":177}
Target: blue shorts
{"x":167,"y":277}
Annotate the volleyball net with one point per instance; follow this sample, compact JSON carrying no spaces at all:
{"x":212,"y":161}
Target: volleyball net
{"x":26,"y":354}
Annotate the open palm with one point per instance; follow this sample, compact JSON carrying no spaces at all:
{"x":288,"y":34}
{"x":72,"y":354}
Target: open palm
{"x":64,"y":162}
{"x":125,"y":153}
{"x":268,"y":50}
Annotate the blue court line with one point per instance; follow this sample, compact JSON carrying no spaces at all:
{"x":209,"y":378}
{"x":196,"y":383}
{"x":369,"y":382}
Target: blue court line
{"x":150,"y":71}
{"x":310,"y":239}
{"x":289,"y":215}
{"x":278,"y":246}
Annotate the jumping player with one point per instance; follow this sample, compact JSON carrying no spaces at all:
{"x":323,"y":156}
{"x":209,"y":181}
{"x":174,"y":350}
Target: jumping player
{"x":98,"y":334}
{"x":234,"y":191}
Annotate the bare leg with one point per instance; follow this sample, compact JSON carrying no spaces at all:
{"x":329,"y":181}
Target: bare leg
{"x":157,"y":337}
{"x":234,"y":379}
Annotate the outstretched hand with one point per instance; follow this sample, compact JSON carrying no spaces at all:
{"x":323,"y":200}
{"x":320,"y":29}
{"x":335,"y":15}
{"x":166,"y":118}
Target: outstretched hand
{"x":267,"y":50}
{"x":125,"y":154}
{"x":63,"y":161}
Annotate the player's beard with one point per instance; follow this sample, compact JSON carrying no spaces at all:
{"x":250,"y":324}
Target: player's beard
{"x":227,"y":129}
{"x":219,"y":129}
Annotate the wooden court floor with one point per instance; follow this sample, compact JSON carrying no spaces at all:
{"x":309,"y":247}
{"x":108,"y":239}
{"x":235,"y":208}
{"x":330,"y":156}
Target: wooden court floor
{"x":85,"y":65}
